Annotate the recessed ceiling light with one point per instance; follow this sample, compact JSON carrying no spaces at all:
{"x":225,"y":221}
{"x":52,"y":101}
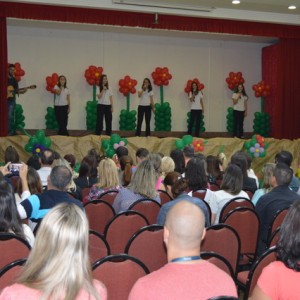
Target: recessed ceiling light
{"x":236,"y":2}
{"x":292,"y":7}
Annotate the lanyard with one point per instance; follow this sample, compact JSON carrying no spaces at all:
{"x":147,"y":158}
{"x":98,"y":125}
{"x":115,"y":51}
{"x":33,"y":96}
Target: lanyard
{"x":186,"y":258}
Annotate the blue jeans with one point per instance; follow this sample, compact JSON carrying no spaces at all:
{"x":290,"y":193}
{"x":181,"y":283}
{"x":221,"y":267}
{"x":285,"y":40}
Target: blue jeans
{"x":11,"y":105}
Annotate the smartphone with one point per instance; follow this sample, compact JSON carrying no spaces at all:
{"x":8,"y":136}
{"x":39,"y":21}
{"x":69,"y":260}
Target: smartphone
{"x":14,"y":168}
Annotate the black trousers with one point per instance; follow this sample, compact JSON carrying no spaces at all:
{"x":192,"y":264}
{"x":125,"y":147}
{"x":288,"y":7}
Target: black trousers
{"x":238,"y":123}
{"x":103,"y":111}
{"x":143,"y":110}
{"x":61,"y":114}
{"x":195,"y":117}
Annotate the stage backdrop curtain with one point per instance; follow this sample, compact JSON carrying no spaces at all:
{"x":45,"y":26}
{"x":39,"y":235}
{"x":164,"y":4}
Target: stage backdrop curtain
{"x":281,"y":69}
{"x":3,"y":78}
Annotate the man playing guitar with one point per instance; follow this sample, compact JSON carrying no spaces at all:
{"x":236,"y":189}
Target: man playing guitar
{"x":13,"y":88}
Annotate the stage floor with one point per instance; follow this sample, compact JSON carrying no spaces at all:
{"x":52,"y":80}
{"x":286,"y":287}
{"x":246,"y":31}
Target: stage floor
{"x":79,"y":146}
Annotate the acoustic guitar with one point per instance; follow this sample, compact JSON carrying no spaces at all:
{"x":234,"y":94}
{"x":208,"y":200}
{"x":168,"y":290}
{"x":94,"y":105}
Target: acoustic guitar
{"x":11,"y":91}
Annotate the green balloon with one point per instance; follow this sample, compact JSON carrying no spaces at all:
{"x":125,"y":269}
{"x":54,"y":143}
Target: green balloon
{"x":125,"y":141}
{"x":110,"y":152}
{"x":247,"y":145}
{"x":33,"y":140}
{"x":179,"y":144}
{"x":230,"y":109}
{"x":28,"y":148}
{"x":47,"y":142}
{"x":115,"y":138}
{"x":105,"y":144}
{"x":187,"y":139}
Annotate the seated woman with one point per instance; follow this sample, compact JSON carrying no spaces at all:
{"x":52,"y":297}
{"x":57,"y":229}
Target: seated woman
{"x":214,"y":173}
{"x":108,"y":179}
{"x":195,"y":174}
{"x":178,"y":158}
{"x":268,"y":171}
{"x":125,"y":171}
{"x":280,"y":279}
{"x":10,"y":221}
{"x":231,"y":187}
{"x":169,"y":180}
{"x":142,"y":185}
{"x":239,"y":158}
{"x":167,"y":166}
{"x":58,"y":266}
{"x":87,"y":172}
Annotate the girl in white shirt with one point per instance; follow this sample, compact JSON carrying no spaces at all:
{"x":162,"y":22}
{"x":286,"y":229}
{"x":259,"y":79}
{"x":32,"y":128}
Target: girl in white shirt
{"x":145,"y":106}
{"x":105,"y":106}
{"x":197,"y":108}
{"x":62,"y":105}
{"x":239,"y":99}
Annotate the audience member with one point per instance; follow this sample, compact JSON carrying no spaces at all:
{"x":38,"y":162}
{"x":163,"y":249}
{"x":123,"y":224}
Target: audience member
{"x":214,"y":173}
{"x":87,"y":172}
{"x":188,"y":153}
{"x":179,"y":193}
{"x":46,"y":160}
{"x":70,"y":158}
{"x":108,"y":179}
{"x":231,"y":187}
{"x":120,"y":151}
{"x":195,"y":174}
{"x":141,"y":154}
{"x":34,"y":162}
{"x":167,"y":166}
{"x":279,"y":198}
{"x":169,"y":180}
{"x":280,"y":279}
{"x":10,"y":221}
{"x":239,"y":159}
{"x":286,"y":157}
{"x":186,"y":275}
{"x":125,"y":171}
{"x":142,"y":185}
{"x":250,"y":171}
{"x":36,"y":207}
{"x":177,"y":156}
{"x":11,"y":155}
{"x":155,"y":159}
{"x":58,"y":266}
{"x":268,"y":171}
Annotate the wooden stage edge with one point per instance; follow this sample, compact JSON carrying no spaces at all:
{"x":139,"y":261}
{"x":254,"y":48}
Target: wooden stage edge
{"x":159,"y":134}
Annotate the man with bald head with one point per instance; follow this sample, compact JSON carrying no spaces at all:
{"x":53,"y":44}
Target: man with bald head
{"x":186,"y":275}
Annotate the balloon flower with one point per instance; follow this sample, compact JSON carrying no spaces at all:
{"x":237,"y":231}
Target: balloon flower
{"x":261,"y":89}
{"x":198,"y":145}
{"x":234,"y":79}
{"x":51,"y":82}
{"x":257,"y":146}
{"x":37,"y":143}
{"x":92,"y":75}
{"x":161,"y":76}
{"x":181,"y":143}
{"x":189,"y":84}
{"x":19,"y":72}
{"x":110,"y":145}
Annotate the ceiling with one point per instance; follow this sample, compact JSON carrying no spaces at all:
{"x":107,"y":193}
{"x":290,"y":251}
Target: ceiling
{"x":274,"y":11}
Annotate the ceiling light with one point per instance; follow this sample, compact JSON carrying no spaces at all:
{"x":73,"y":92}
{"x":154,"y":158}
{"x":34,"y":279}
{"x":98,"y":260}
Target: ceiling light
{"x":292,"y":7}
{"x":236,"y":2}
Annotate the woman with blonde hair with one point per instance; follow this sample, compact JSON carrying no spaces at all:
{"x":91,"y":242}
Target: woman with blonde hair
{"x":167,"y":165}
{"x":108,"y":179}
{"x":142,"y":185}
{"x":58,"y":266}
{"x":268,"y":172}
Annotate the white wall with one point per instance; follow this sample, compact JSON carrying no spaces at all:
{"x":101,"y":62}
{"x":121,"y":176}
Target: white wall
{"x":45,"y":48}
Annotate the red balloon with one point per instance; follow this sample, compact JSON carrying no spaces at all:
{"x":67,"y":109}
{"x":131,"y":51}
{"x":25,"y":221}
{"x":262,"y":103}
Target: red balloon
{"x":17,"y":65}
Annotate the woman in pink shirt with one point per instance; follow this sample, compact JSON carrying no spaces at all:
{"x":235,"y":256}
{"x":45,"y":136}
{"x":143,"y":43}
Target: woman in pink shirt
{"x":280,"y":279}
{"x":58,"y":266}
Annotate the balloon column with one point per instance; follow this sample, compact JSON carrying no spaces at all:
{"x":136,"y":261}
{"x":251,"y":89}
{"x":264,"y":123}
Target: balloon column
{"x":233,"y":80}
{"x":51,"y":122}
{"x":37,"y":143}
{"x":181,"y":143}
{"x":19,"y":116}
{"x":261,"y":119}
{"x":127,"y":117}
{"x":92,"y":75}
{"x":257,"y":146}
{"x":109,"y":146}
{"x":161,"y":77}
{"x":187,"y":90}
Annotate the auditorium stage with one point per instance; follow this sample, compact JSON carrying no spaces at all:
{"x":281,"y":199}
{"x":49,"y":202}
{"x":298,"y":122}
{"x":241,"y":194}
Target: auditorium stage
{"x":79,"y":146}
